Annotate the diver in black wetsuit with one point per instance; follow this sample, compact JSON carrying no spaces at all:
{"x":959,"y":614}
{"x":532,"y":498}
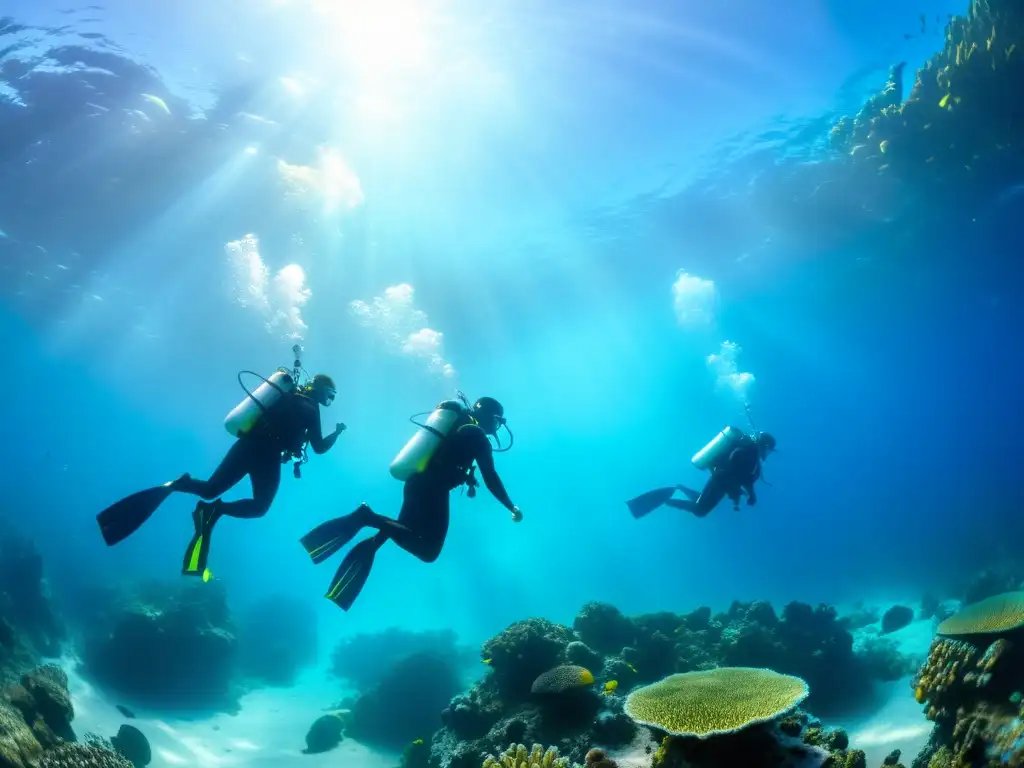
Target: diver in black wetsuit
{"x":422,"y":524}
{"x":735,"y":474}
{"x":732,"y":474}
{"x":279,"y":435}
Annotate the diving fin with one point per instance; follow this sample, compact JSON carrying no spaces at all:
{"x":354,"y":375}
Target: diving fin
{"x":327,"y":538}
{"x":646,"y":503}
{"x":123,"y":518}
{"x":352,"y":574}
{"x":204,"y":516}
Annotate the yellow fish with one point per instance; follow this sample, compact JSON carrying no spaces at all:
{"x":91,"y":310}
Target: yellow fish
{"x":486,"y":661}
{"x":610,"y":687}
{"x":418,"y":741}
{"x":207,"y":574}
{"x":945,"y":100}
{"x":158,"y":101}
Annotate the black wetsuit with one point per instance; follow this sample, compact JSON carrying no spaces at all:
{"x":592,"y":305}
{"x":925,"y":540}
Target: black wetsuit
{"x":422,"y":524}
{"x":735,"y":473}
{"x":281,"y":432}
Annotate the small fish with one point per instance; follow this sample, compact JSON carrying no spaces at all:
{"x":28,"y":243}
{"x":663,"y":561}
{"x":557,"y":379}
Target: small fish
{"x":418,"y":741}
{"x":945,"y":100}
{"x":486,"y":661}
{"x":157,"y":101}
{"x":631,"y":668}
{"x":207,"y":575}
{"x":884,"y":146}
{"x":1016,"y":697}
{"x":125,"y":711}
{"x":610,"y":687}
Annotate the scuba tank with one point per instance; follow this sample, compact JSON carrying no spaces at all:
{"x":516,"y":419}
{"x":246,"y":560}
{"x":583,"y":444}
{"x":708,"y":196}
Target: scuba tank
{"x":719,"y":447}
{"x":417,"y":453}
{"x":244,"y":416}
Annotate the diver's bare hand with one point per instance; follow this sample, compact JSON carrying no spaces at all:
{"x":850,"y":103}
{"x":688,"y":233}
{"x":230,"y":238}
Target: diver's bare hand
{"x":517,"y":516}
{"x":339,"y":428}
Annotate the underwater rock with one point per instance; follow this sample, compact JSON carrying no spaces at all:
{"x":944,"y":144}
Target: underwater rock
{"x":407,"y":703}
{"x":882,"y":659}
{"x":133,"y":745}
{"x":603,"y":627}
{"x":277,"y":639}
{"x":44,"y":701}
{"x":326,"y":732}
{"x":364,"y":659}
{"x":583,"y":655}
{"x":32,"y":629}
{"x":523,"y":651}
{"x":168,"y":645}
{"x":896,"y":618}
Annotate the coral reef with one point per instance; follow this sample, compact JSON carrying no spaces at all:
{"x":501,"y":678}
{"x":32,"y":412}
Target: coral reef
{"x":167,"y":645}
{"x":364,"y":659}
{"x":622,"y":653}
{"x":35,"y":726}
{"x":277,"y":639}
{"x":716,"y":701}
{"x":970,"y":687}
{"x":29,"y":626}
{"x":406,"y":704}
{"x":961,"y":118}
{"x":883,"y":660}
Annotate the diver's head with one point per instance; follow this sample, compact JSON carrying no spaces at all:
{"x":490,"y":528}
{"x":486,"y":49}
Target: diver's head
{"x":489,"y":414}
{"x":765,"y":445}
{"x":323,"y":389}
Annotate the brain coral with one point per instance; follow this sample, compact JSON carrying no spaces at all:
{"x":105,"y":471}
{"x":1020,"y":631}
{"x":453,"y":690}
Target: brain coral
{"x":715,"y":701}
{"x":999,"y":613}
{"x":561,"y":679}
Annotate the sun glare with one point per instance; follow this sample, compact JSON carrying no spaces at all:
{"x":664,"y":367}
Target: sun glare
{"x":379,"y":39}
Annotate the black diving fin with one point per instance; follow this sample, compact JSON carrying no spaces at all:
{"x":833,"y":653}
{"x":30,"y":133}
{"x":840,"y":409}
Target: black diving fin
{"x":204,"y":516}
{"x":351,"y":576}
{"x":333,"y":535}
{"x":646,"y":503}
{"x":123,"y":518}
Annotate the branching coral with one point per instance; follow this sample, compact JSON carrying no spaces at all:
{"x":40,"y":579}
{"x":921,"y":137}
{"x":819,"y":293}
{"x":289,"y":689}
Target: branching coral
{"x":516,"y":756}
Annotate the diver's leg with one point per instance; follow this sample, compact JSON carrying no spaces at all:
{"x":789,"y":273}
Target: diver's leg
{"x":684,"y":504}
{"x":425,"y":515}
{"x":713,"y":493}
{"x":694,"y":495}
{"x":233,"y":467}
{"x":265,"y":476}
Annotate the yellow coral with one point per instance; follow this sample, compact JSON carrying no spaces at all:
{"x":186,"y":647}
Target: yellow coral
{"x":715,"y":701}
{"x":516,"y":756}
{"x":999,"y":613}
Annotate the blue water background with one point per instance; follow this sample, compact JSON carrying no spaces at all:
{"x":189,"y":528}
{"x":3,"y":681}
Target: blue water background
{"x":542,"y":239}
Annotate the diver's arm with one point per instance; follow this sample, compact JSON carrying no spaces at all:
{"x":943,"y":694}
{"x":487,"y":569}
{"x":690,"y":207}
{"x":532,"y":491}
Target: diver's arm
{"x":317,"y":441}
{"x":485,"y":463}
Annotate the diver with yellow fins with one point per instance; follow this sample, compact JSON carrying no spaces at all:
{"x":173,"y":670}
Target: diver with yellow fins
{"x":734,"y":459}
{"x":273,"y":425}
{"x":437,"y":459}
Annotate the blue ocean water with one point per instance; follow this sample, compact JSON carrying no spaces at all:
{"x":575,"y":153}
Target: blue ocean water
{"x":567,"y":206}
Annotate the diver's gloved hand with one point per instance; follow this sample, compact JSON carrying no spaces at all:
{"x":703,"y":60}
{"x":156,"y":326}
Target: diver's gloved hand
{"x":339,"y":428}
{"x":751,"y":501}
{"x":517,"y":516}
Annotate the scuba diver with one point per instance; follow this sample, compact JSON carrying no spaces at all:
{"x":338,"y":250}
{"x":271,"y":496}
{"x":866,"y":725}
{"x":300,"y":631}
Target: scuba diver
{"x":436,"y":460}
{"x":734,"y":459}
{"x":272,"y":425}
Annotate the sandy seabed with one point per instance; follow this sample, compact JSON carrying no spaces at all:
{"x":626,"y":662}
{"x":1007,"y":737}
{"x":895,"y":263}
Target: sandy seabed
{"x":268,"y":732}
